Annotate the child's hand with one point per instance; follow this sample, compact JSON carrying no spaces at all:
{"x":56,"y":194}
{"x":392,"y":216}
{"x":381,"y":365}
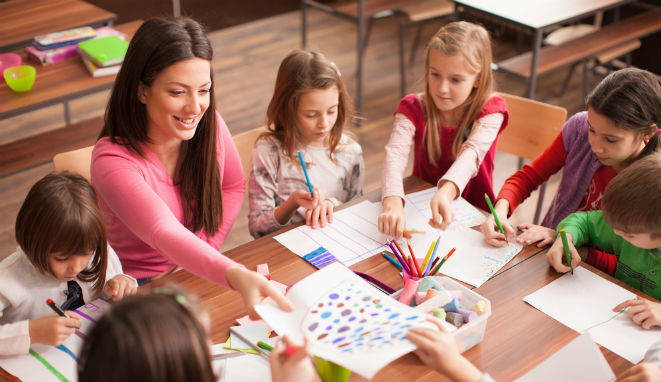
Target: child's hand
{"x":322,"y":214}
{"x":438,"y":350}
{"x":533,"y":233}
{"x":492,"y":233}
{"x":303,"y":198}
{"x":643,"y":372}
{"x":254,"y":288}
{"x":642,"y":311}
{"x":556,"y":255}
{"x":392,"y":221}
{"x":53,"y":329}
{"x":294,"y":367}
{"x":441,"y":209}
{"x":120,"y":286}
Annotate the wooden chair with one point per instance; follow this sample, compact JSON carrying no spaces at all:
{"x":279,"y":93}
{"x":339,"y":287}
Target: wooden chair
{"x":417,"y":14}
{"x":532,"y":127}
{"x":244,"y":143}
{"x":76,"y":161}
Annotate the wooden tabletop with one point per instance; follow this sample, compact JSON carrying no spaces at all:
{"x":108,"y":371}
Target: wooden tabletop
{"x":517,"y":338}
{"x":56,"y":83}
{"x":22,"y":20}
{"x":538,"y":14}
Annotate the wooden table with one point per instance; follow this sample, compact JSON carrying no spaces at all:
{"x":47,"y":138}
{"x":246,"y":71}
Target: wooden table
{"x":507,"y":351}
{"x":540,"y":16}
{"x":22,"y":20}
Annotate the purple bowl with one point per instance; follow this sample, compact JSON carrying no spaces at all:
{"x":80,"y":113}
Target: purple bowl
{"x":7,"y":60}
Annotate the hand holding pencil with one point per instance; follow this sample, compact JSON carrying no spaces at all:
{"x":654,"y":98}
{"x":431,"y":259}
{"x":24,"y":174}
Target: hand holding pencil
{"x":556,"y":255}
{"x":292,"y":363}
{"x":497,"y":229}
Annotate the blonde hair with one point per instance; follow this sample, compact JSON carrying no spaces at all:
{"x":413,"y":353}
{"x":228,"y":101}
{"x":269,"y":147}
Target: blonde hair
{"x":300,"y":72}
{"x":473,"y":43}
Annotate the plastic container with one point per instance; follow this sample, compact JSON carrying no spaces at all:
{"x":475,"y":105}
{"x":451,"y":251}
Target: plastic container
{"x":469,"y":334}
{"x":20,"y":78}
{"x":7,"y":60}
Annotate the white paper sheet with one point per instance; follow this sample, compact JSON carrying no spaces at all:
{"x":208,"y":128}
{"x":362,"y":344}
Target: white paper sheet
{"x":245,"y":368}
{"x":580,"y":360}
{"x":354,"y":236}
{"x":342,"y":316}
{"x":474,"y":261}
{"x":584,"y":302}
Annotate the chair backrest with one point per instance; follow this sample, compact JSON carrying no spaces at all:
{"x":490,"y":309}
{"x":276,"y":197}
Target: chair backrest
{"x":532,"y":126}
{"x":244,"y":144}
{"x":76,"y":161}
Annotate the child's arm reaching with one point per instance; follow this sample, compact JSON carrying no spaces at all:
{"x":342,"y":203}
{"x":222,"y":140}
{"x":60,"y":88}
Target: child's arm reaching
{"x":438,"y":350}
{"x":642,"y":311}
{"x":291,"y":363}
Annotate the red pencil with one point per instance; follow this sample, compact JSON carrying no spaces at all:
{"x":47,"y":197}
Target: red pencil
{"x":444,"y":259}
{"x":415,"y":261}
{"x":433,"y":264}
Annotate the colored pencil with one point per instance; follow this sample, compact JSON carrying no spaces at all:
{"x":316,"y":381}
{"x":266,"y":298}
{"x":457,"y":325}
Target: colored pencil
{"x":438,"y":267}
{"x":433,"y":265}
{"x":565,"y":246}
{"x":415,"y":261}
{"x":412,"y":231}
{"x":264,"y":345}
{"x":305,"y":171}
{"x":495,"y":217}
{"x":227,"y":355}
{"x":399,"y":258}
{"x":393,"y":261}
{"x":433,"y":254}
{"x":429,"y":251}
{"x":376,"y":283}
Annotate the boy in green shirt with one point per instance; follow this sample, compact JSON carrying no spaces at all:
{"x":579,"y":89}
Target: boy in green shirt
{"x":629,"y":225}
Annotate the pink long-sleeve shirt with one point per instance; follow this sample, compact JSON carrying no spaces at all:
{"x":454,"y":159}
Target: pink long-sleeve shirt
{"x":144,"y":216}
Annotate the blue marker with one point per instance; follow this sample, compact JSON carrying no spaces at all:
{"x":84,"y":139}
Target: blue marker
{"x":305,"y":171}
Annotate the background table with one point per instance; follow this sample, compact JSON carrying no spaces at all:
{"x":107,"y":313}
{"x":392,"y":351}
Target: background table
{"x":22,"y":20}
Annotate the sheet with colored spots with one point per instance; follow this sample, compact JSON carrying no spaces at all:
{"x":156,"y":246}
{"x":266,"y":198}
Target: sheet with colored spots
{"x":343,"y":317}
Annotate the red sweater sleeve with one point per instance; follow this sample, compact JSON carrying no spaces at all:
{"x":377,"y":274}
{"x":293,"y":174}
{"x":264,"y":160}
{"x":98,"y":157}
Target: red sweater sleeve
{"x":520,"y":185}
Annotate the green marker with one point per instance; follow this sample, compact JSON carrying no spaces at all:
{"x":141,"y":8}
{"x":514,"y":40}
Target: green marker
{"x":264,"y":345}
{"x":565,"y":245}
{"x":495,"y":217}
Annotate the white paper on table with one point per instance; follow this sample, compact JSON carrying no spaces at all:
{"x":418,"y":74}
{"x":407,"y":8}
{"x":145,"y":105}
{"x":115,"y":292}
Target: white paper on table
{"x":465,"y":214}
{"x":257,"y":331}
{"x":474,"y":261}
{"x":584,"y":302}
{"x":245,"y":368}
{"x":581,"y":300}
{"x":342,"y":316}
{"x":579,"y":360}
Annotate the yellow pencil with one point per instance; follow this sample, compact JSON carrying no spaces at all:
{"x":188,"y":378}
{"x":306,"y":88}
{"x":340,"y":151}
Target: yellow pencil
{"x":412,"y":231}
{"x":424,"y":263}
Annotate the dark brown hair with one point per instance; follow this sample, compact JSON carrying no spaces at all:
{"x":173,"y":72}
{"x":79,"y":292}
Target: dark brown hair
{"x":300,"y":72}
{"x":632,"y":200}
{"x":473,"y":43}
{"x":153,"y":337}
{"x":631,"y":98}
{"x":159,"y":43}
{"x":60,"y":215}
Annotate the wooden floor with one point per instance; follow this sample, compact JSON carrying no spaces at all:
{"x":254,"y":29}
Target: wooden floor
{"x":245,"y":64}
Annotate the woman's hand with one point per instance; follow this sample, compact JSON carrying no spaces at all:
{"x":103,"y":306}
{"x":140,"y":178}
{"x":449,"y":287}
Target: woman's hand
{"x":392,"y":221}
{"x":53,"y":329}
{"x":254,"y":288}
{"x":120,"y":286}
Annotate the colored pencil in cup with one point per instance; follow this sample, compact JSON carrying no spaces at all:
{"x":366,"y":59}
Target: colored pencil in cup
{"x":415,"y":261}
{"x":429,"y":251}
{"x":305,"y":171}
{"x":399,"y":258}
{"x":565,"y":246}
{"x":433,"y":255}
{"x":391,"y":260}
{"x":438,"y":267}
{"x":495,"y":217}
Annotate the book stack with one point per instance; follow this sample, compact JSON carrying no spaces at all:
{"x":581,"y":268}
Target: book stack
{"x":103,"y":56}
{"x":55,"y":54}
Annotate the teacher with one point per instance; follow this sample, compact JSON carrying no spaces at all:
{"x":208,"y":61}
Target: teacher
{"x":168,"y":175}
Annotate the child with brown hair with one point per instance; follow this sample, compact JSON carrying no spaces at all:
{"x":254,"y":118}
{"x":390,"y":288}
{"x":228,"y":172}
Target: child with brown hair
{"x":63,"y":255}
{"x":629,"y":226}
{"x":162,"y":336}
{"x":454,"y":126}
{"x":307,"y":114}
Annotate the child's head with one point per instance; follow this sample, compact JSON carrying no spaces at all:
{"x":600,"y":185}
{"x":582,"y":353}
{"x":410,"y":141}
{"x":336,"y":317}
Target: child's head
{"x":310,"y":105}
{"x":150,"y":337}
{"x":458,"y":80}
{"x":632,"y":202}
{"x":60,"y":229}
{"x":624,"y":113}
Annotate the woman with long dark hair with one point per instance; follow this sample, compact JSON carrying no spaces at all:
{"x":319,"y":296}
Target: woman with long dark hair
{"x":168,"y":175}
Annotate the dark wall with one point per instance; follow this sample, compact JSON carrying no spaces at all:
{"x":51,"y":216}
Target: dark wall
{"x":213,"y":14}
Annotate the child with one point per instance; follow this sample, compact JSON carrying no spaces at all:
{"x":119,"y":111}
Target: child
{"x":63,"y":256}
{"x":629,"y":226}
{"x":620,"y":126}
{"x":307,"y":114}
{"x":163,"y":336}
{"x":454,"y":124}
{"x":649,"y":370}
{"x":438,"y":350}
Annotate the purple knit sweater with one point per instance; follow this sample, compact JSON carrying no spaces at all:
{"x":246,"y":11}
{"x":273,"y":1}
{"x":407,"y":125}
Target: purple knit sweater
{"x":580,"y":166}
